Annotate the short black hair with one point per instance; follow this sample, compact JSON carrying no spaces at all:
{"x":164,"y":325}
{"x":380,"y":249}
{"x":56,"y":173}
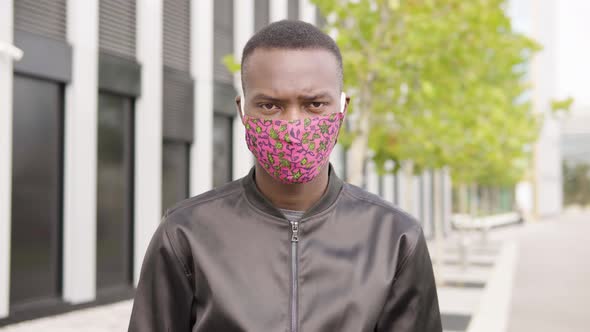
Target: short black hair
{"x":293,"y":35}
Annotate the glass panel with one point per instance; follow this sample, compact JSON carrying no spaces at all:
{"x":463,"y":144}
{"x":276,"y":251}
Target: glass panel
{"x":36,"y":193}
{"x":114,"y":191}
{"x":175,"y":174}
{"x":222,"y":149}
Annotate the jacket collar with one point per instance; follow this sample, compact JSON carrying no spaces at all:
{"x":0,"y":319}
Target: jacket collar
{"x":261,"y":202}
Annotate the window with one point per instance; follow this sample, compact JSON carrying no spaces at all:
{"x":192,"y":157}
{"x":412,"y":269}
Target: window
{"x":175,"y":173}
{"x":114,"y":191}
{"x":36,"y":191}
{"x":222,"y":149}
{"x":178,"y":102}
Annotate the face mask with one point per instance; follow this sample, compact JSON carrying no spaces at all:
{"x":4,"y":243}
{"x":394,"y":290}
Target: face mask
{"x":293,"y":151}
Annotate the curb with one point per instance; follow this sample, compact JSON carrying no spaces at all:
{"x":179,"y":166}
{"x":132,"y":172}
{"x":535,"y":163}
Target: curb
{"x":492,"y":314}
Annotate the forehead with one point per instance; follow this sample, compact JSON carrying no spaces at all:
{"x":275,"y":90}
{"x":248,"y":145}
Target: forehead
{"x":287,"y":71}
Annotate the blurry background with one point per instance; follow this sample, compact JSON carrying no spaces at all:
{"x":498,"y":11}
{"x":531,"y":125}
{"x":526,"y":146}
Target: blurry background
{"x":473,"y":116}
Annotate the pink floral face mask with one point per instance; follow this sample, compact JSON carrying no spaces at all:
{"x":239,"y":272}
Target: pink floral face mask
{"x":293,"y":151}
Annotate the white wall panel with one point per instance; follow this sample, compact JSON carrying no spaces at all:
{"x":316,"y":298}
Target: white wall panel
{"x":148,"y":129}
{"x":80,"y":154}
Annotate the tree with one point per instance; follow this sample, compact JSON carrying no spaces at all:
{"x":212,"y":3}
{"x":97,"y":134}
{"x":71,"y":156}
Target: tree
{"x":437,"y":84}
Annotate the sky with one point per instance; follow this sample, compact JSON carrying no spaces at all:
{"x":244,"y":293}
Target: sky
{"x":573,"y":52}
{"x":569,"y":23}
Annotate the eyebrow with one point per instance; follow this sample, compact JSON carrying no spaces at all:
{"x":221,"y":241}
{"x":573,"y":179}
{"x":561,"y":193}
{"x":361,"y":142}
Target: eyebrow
{"x":262,"y":96}
{"x":316,"y":96}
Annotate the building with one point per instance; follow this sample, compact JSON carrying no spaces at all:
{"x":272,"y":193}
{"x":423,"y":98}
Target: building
{"x":575,"y":138}
{"x":117,"y":109}
{"x":541,"y":195}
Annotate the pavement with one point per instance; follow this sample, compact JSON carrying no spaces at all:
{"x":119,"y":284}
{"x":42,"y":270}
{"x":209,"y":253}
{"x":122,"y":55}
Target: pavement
{"x":552,"y":282}
{"x":539,"y":280}
{"x":474,"y":285}
{"x":531,"y":277}
{"x":106,"y":318}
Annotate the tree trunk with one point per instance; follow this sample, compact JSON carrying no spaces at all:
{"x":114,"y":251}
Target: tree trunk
{"x":356,"y":160}
{"x":463,"y":199}
{"x":408,"y":188}
{"x":473,"y":204}
{"x":359,"y":148}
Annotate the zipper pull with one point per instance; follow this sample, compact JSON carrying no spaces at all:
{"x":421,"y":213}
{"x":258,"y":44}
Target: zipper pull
{"x":295,"y":231}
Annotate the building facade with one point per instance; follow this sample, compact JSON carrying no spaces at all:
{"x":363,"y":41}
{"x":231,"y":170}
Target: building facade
{"x":116,"y":110}
{"x":540,"y":195}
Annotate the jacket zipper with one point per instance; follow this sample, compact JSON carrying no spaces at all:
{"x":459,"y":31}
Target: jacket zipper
{"x":294,"y":281}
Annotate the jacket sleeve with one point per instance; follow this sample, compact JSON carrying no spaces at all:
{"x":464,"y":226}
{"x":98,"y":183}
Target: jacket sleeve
{"x":412,"y":304}
{"x":164,"y":296}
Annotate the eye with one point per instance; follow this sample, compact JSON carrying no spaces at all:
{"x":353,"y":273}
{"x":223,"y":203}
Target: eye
{"x":268,"y":106}
{"x":316,"y":105}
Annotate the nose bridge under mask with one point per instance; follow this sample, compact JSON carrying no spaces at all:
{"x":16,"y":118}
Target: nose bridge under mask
{"x":293,"y":151}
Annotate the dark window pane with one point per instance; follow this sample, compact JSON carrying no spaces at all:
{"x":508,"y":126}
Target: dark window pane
{"x":114,"y":191}
{"x":222,"y":149}
{"x":36,"y":191}
{"x":175,"y":173}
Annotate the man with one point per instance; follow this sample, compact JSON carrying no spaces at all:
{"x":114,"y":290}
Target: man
{"x":290,"y":246}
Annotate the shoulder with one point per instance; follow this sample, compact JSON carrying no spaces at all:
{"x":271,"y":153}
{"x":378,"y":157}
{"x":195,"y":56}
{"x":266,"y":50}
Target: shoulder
{"x":404,"y":232}
{"x":180,"y":220}
{"x":178,"y":223}
{"x":365,"y":201}
{"x":225,"y":191}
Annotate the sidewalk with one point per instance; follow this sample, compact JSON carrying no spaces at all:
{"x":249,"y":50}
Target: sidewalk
{"x":552,"y":284}
{"x":107,"y":318}
{"x":531,"y":277}
{"x":476,"y":297}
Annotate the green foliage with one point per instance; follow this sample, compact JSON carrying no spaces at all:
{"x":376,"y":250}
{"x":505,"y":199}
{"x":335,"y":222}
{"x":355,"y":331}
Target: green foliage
{"x":442,"y":82}
{"x":230,"y":62}
{"x":560,"y":106}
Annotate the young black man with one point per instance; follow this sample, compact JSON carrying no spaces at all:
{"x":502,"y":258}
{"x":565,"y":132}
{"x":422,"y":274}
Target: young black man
{"x":289,"y":247}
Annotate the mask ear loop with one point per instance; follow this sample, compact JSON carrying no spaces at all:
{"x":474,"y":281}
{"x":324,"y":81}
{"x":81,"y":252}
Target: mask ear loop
{"x":242,"y":100}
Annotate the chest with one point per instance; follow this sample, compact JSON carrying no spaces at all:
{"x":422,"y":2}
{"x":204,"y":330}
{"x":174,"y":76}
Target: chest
{"x":295,"y":278}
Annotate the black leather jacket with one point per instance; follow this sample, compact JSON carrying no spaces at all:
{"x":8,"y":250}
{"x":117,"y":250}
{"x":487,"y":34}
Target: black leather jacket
{"x":228,"y":260}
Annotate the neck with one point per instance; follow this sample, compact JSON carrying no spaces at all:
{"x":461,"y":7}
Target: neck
{"x":298,"y":196}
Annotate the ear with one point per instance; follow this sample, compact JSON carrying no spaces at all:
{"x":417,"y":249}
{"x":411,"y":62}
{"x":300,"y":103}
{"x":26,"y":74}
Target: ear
{"x":240,"y":106}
